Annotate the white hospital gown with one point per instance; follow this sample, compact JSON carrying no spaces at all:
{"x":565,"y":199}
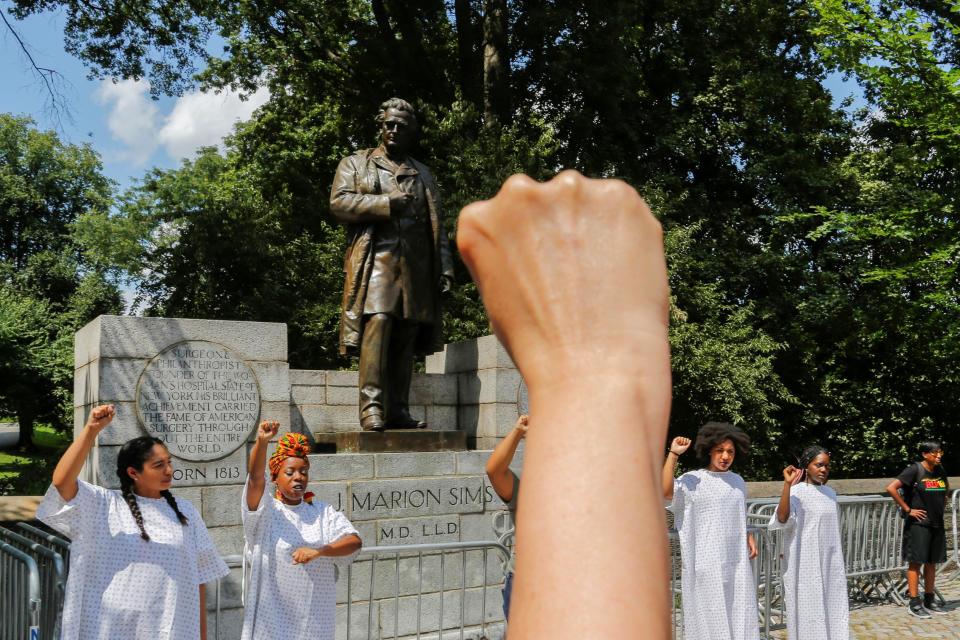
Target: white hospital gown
{"x":814,"y":578}
{"x":719,"y":596}
{"x":285,"y":600}
{"x":121,"y":586}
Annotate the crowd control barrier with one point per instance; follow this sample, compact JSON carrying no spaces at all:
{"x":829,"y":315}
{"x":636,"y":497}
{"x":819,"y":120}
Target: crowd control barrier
{"x":406,"y":591}
{"x":19,"y":595}
{"x":53,"y":579}
{"x":49,"y":540}
{"x":953,"y":559}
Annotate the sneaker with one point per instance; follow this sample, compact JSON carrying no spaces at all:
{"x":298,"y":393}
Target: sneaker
{"x":935,"y":607}
{"x":916,"y":609}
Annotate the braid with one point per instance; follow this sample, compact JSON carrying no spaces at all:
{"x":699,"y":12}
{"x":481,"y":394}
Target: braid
{"x":173,"y":505}
{"x":134,"y":509}
{"x":133,"y":453}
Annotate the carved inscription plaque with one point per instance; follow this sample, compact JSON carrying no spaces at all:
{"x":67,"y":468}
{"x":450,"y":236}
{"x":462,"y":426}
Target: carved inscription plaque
{"x":200,"y":399}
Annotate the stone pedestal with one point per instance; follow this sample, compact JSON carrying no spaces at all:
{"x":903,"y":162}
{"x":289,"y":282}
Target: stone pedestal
{"x":490,"y":390}
{"x":401,"y":440}
{"x":192,"y":398}
{"x":327,"y":402}
{"x":166,"y":377}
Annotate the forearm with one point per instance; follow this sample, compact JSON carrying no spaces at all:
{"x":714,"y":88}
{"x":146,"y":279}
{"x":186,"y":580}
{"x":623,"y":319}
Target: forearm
{"x":567,"y":527}
{"x":502,"y":454}
{"x":498,"y":464}
{"x":667,"y":475}
{"x":68,"y":468}
{"x":892,"y":490}
{"x":255,"y":473}
{"x":783,"y":508}
{"x":342,"y":546}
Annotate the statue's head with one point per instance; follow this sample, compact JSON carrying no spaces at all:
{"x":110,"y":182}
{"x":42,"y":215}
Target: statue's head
{"x":398,"y":125}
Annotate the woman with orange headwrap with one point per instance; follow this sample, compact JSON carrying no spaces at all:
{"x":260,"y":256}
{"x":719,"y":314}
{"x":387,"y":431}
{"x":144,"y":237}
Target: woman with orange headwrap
{"x":292,"y":544}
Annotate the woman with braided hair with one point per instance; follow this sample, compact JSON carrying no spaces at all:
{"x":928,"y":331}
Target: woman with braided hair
{"x":292,"y":543}
{"x":139,"y":556}
{"x":814,"y":576}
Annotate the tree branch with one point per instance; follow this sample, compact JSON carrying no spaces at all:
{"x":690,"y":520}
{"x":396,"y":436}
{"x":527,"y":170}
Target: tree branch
{"x":48,"y":76}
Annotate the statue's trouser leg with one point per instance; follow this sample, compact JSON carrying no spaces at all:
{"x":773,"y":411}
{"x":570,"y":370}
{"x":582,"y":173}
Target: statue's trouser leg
{"x":374,"y":357}
{"x":400,"y":370}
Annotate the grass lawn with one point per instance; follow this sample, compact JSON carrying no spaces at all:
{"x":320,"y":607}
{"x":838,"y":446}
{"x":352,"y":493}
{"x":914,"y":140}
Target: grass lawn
{"x":28,"y":474}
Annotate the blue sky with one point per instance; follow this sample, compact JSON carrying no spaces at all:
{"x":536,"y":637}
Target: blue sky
{"x":131,"y":132}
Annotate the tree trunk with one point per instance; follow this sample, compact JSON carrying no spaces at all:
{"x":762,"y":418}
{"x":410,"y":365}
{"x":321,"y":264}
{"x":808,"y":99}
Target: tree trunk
{"x":467,"y":52}
{"x":26,"y":431}
{"x":496,"y":64}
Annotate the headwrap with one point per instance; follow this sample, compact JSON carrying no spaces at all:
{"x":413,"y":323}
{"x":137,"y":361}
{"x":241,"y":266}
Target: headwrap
{"x":290,"y":445}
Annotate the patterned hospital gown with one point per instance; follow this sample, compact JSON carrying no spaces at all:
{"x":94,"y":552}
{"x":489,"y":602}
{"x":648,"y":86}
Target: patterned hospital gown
{"x":287,"y":600}
{"x":814,"y":578}
{"x":122,"y":586}
{"x":719,"y":597}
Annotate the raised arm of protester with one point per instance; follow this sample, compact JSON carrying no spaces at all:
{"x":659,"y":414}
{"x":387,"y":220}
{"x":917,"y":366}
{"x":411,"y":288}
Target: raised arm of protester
{"x":498,"y":464}
{"x":574,"y":280}
{"x":791,"y":476}
{"x":256,"y":482}
{"x":67,"y":471}
{"x":676,"y":449}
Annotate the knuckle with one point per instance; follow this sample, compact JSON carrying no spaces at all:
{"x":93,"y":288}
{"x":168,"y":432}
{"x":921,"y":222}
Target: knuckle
{"x":518,"y":183}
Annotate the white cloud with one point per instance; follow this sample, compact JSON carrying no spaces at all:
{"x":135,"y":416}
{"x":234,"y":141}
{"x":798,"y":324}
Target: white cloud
{"x":203,"y":119}
{"x":133,"y":118}
{"x":196,"y":119}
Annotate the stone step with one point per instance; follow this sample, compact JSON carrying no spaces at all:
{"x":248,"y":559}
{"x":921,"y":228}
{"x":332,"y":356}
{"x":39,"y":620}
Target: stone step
{"x":391,"y":440}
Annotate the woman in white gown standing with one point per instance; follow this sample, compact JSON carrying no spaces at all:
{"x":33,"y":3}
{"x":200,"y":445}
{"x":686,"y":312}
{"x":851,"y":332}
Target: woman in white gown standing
{"x":139,"y":557}
{"x":814,"y":577}
{"x":710,"y":515}
{"x":292,"y":543}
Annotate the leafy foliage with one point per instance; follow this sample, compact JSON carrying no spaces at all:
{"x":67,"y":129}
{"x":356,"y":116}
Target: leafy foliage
{"x":812,"y":252}
{"x":882,"y":305}
{"x":48,"y":288}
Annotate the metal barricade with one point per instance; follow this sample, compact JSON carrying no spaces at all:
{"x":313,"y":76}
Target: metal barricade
{"x":871,"y":534}
{"x":403,"y":587}
{"x":49,"y":540}
{"x":52,"y":580}
{"x":955,"y":555}
{"x":19,"y":594}
{"x":771,"y":557}
{"x":403,"y":577}
{"x":232,"y":561}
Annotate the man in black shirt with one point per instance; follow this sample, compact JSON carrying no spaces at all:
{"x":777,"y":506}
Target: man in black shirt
{"x":925,"y":493}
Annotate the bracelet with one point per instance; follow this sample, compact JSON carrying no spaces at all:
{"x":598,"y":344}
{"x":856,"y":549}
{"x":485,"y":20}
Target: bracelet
{"x":669,"y":451}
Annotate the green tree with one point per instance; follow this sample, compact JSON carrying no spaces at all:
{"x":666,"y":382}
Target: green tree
{"x":714,"y":110}
{"x":879,"y":323}
{"x":50,"y":286}
{"x":35,"y":362}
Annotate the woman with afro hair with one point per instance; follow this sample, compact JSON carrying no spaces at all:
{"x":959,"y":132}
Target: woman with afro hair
{"x":710,"y":514}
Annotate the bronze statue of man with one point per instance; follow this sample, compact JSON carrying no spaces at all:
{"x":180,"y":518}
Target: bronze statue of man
{"x":397,"y":263}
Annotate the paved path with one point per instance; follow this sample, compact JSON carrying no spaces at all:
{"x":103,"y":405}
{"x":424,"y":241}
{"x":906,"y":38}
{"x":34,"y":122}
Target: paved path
{"x":892,"y":622}
{"x":9,"y":434}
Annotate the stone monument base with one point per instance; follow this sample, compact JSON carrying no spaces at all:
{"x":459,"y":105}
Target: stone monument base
{"x":391,"y":440}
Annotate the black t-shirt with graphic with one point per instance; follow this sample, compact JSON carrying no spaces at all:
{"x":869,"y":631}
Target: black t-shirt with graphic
{"x":925,"y":490}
